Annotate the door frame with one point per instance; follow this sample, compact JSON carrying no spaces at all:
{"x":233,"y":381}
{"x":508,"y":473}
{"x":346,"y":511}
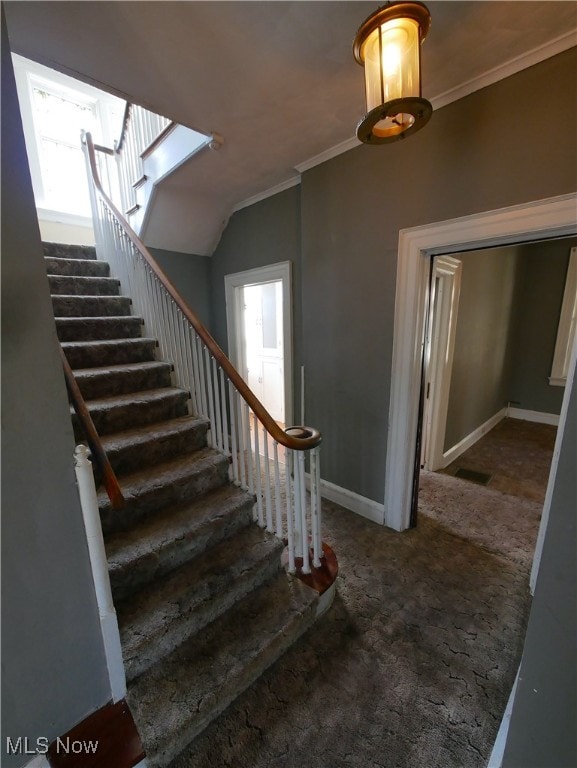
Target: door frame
{"x":441,"y":331}
{"x":551,"y":217}
{"x":232,"y":284}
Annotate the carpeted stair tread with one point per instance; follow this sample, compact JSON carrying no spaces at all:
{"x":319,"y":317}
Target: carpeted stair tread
{"x":77,"y":267}
{"x":142,"y":446}
{"x":176,"y":699}
{"x":65,"y":251}
{"x":159,"y":544}
{"x":91,"y":306}
{"x":126,"y":411}
{"x":154,"y":621}
{"x":106,"y":381}
{"x":171,"y":483}
{"x":98,"y":328}
{"x":85,"y":354}
{"x":81,"y":285}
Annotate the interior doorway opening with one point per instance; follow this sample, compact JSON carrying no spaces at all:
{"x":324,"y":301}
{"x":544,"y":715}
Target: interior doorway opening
{"x":259,"y":320}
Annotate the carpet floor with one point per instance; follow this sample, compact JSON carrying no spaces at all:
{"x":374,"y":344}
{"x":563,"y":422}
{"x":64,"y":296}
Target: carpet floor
{"x":413,"y":664}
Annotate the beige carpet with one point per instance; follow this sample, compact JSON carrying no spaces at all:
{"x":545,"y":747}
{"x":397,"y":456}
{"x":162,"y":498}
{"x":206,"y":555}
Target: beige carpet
{"x":413,"y":664}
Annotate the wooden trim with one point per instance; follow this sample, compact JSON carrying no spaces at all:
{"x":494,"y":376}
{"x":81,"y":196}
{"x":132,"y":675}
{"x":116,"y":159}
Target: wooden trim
{"x":109,"y":478}
{"x":320,"y":579}
{"x":155,"y":142}
{"x":106,"y":739}
{"x":309,"y":437}
{"x":125,"y":119}
{"x":104,"y":150}
{"x":139,"y":182}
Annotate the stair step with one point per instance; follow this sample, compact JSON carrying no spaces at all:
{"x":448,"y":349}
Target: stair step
{"x":172,"y":483}
{"x":98,"y":328}
{"x":66,"y":285}
{"x":160,"y":544}
{"x":91,"y":306}
{"x":88,"y":354}
{"x":106,"y":381}
{"x":113,"y":414}
{"x":65,"y":251}
{"x":137,"y":448}
{"x":157,"y":620}
{"x":85,"y":267}
{"x":176,"y":699}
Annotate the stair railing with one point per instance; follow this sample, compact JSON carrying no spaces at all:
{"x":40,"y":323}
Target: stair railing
{"x":240,"y":426}
{"x":140,"y":130}
{"x":109,"y":479}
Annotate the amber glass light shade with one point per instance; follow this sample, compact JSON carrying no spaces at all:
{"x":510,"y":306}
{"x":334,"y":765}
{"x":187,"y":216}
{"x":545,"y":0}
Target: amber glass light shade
{"x":388,"y":45}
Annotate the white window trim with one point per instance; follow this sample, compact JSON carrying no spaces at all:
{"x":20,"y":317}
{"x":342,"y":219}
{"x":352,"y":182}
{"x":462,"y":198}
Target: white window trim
{"x":566,"y":328}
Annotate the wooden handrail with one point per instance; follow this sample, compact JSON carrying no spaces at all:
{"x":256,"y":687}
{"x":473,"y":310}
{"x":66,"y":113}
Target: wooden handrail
{"x":125,"y":119}
{"x":109,"y":479}
{"x":297,"y":438}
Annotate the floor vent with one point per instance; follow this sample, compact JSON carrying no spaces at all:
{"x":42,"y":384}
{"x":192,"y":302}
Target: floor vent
{"x":475,"y":477}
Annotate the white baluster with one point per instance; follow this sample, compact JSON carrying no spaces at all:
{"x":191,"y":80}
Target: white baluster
{"x":267,"y":482}
{"x":233,"y":433}
{"x":208,"y":370}
{"x":257,"y":474}
{"x":289,"y":455}
{"x":300,"y":489}
{"x":224,"y":418}
{"x":315,"y":508}
{"x":248,"y":449}
{"x":217,"y":407}
{"x":277,"y":492}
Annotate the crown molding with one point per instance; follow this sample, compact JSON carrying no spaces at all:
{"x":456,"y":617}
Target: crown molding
{"x":512,"y":67}
{"x":492,"y":76}
{"x":292,"y":182}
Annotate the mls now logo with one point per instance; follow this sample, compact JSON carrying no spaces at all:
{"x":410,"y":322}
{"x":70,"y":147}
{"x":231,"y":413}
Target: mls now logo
{"x":66,"y":746}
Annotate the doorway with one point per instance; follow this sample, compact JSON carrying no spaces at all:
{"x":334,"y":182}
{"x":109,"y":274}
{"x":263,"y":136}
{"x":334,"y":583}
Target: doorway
{"x":540,"y":219}
{"x":259,"y":325}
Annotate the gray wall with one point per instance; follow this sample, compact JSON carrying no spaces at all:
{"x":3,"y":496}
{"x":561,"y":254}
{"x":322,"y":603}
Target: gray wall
{"x":263,"y":234}
{"x":542,"y":728}
{"x":542,"y":282}
{"x":191,"y":276}
{"x":480,"y":378}
{"x":507,"y":323}
{"x":466,"y":160}
{"x":53,"y":667}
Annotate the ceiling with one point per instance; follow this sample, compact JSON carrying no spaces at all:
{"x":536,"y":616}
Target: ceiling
{"x":276,"y":79}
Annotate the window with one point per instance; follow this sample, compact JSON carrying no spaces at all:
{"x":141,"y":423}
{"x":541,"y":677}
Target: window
{"x":59,"y":117}
{"x":55,"y":109}
{"x":567,"y":323}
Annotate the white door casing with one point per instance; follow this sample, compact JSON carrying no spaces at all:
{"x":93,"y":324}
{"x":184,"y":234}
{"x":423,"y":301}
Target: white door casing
{"x":439,"y":351}
{"x":552,"y":217}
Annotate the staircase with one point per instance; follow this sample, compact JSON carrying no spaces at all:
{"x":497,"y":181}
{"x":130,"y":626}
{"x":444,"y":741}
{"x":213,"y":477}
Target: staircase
{"x":203,"y":604}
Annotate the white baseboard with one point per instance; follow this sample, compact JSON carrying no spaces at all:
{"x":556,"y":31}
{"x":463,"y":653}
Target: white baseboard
{"x":454,"y":452}
{"x":368,"y":508}
{"x":537,"y":416}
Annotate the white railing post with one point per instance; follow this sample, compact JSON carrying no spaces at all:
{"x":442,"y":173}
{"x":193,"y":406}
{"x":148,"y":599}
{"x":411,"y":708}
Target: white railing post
{"x":99,"y":563}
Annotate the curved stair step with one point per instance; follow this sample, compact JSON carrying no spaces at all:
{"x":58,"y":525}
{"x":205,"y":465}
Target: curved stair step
{"x":176,"y":699}
{"x":170,"y":484}
{"x":159,"y":544}
{"x":159,"y":618}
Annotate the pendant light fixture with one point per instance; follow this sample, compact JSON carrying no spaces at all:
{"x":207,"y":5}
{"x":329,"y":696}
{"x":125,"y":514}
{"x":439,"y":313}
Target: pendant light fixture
{"x":388,"y":46}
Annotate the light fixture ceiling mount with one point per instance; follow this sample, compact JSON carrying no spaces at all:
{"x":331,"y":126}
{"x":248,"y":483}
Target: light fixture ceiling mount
{"x":388,"y":46}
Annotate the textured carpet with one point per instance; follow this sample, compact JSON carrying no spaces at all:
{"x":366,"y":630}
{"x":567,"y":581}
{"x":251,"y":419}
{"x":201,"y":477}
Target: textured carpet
{"x":413,"y":664}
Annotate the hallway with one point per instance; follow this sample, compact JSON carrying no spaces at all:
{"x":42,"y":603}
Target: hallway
{"x":413,"y":664}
